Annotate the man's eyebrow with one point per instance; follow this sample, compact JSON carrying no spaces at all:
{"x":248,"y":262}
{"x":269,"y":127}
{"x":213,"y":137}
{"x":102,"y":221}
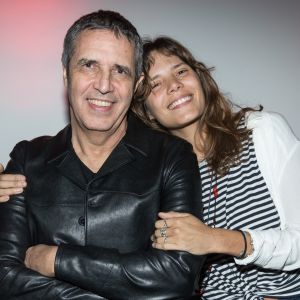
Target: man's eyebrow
{"x":173,"y":67}
{"x":124,"y":68}
{"x":83,"y":61}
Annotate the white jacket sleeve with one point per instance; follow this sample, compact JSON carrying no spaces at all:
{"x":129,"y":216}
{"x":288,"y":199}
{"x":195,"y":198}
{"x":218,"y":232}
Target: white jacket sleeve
{"x":278,"y":156}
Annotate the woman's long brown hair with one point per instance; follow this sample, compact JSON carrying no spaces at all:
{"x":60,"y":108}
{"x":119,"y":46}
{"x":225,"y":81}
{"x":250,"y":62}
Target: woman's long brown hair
{"x":218,"y":123}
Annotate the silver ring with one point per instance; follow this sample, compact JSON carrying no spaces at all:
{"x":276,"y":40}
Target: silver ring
{"x":165,"y":224}
{"x":163,"y":232}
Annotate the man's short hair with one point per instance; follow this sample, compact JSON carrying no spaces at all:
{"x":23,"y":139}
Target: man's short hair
{"x":103,"y":19}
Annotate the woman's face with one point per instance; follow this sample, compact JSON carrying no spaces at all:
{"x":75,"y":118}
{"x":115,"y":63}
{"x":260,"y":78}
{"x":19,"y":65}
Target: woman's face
{"x":176,"y":100}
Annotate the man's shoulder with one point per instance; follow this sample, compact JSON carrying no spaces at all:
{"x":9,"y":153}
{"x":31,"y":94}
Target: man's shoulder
{"x":39,"y":146}
{"x":167,"y":137}
{"x":145,"y":137}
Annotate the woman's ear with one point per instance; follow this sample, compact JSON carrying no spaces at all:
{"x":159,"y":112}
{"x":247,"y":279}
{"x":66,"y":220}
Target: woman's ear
{"x":139,"y":82}
{"x":150,"y":116}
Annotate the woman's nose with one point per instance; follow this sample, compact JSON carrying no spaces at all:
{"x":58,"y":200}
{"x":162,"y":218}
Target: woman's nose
{"x":174,"y":85}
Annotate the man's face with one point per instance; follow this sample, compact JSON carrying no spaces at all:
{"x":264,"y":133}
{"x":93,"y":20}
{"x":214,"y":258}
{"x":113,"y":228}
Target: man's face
{"x":100,"y":81}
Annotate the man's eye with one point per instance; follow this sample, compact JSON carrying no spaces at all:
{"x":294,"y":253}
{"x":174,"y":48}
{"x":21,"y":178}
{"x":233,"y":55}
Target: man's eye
{"x":88,"y":65}
{"x":121,"y":70}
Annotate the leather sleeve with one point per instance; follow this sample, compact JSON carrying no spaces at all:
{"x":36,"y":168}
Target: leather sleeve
{"x":17,"y":281}
{"x":148,"y":274}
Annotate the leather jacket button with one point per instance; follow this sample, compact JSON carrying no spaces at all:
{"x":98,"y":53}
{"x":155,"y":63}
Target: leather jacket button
{"x":92,"y":203}
{"x":81,"y":221}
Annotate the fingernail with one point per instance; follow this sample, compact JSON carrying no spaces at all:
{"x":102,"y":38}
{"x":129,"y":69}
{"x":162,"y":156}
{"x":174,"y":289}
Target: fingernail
{"x":19,"y":190}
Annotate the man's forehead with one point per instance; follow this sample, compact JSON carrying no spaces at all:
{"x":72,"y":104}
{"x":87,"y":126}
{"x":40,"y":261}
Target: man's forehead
{"x":104,"y":47}
{"x":104,"y":35}
{"x":101,"y":39}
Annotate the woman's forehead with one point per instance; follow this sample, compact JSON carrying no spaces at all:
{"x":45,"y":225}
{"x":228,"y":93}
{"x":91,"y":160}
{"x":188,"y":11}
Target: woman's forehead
{"x":161,"y":61}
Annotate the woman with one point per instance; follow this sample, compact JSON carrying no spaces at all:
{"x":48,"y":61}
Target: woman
{"x":247,"y":162}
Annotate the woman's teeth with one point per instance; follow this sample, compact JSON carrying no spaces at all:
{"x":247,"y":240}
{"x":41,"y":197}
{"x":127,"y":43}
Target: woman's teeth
{"x":179,"y":101}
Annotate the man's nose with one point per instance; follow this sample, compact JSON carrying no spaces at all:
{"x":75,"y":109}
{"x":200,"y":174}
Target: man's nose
{"x":103,"y":82}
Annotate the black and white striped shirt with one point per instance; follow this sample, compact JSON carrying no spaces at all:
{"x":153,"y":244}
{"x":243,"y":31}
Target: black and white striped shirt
{"x":239,"y":200}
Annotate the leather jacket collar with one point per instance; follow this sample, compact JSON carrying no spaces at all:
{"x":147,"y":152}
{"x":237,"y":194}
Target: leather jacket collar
{"x":135,"y":140}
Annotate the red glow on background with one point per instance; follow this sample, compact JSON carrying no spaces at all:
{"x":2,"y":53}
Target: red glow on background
{"x":31,"y":37}
{"x":29,"y":26}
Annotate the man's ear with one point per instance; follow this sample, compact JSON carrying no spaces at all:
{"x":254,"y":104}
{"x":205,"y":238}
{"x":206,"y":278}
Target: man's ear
{"x":65,"y":77}
{"x":139,"y":82}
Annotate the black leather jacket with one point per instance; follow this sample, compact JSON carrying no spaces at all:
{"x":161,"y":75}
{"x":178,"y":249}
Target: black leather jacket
{"x":102,"y":227}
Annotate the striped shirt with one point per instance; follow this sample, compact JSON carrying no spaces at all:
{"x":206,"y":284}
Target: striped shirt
{"x":241,"y":200}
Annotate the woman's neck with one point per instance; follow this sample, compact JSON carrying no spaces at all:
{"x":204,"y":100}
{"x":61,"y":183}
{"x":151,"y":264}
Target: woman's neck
{"x":192,"y":135}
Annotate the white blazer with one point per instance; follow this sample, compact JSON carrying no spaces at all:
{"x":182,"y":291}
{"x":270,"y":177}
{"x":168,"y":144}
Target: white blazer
{"x":278,"y":155}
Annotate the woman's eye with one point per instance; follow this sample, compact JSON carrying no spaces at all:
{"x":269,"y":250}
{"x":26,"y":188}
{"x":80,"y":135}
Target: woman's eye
{"x":181,"y":72}
{"x":155,"y":85}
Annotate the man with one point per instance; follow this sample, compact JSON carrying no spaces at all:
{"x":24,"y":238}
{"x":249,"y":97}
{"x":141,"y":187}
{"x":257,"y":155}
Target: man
{"x":83,"y":223}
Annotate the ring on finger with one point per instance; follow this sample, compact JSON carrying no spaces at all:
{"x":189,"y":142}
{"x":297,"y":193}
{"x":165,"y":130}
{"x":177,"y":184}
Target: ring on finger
{"x":163,"y":232}
{"x":165,"y":224}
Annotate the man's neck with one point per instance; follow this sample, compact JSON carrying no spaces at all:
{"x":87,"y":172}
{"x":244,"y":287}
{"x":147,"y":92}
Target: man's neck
{"x":94,"y":147}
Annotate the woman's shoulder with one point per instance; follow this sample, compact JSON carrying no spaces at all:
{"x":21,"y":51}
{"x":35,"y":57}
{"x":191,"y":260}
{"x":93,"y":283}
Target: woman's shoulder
{"x":255,"y":118}
{"x":268,"y":122}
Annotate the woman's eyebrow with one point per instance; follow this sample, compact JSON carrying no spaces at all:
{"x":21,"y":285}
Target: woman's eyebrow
{"x":172,"y":67}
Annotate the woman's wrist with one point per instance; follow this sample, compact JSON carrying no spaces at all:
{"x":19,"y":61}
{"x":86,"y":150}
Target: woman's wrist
{"x":243,"y":253}
{"x":250,"y":245}
{"x":232,"y":242}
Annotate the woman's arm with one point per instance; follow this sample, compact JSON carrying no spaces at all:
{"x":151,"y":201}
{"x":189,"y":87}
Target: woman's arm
{"x":10,"y":184}
{"x":278,"y":154}
{"x":187,"y":233}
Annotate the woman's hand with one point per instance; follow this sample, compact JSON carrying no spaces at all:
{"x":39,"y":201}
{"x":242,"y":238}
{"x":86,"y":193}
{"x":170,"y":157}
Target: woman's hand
{"x":183,"y":232}
{"x":10,"y":184}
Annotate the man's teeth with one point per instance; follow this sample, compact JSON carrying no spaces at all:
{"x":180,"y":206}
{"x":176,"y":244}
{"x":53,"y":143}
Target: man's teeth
{"x":99,"y":102}
{"x":179,"y":101}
